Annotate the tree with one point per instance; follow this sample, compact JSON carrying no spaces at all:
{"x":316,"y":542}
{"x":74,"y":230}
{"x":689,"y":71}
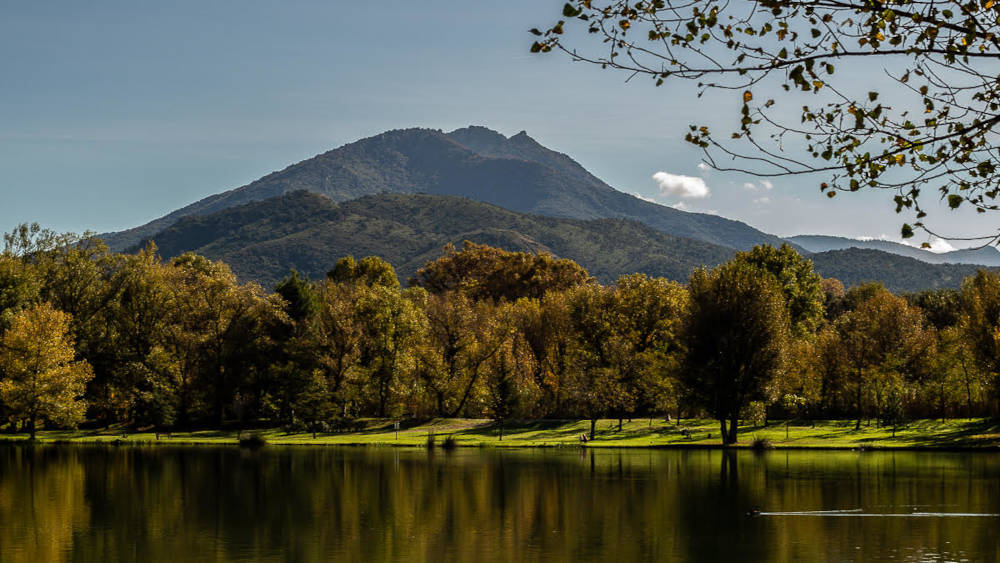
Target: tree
{"x":884,"y":340}
{"x":391,"y":323}
{"x":508,"y":382}
{"x":41,"y":379}
{"x":545,"y":326}
{"x":371,"y":271}
{"x":140,"y":380}
{"x":223,"y":336}
{"x":736,"y":337}
{"x":981,"y":322}
{"x":464,"y":334}
{"x":934,"y":130}
{"x":649,"y":314}
{"x":300,"y":295}
{"x":596,"y":385}
{"x":801,"y":287}
{"x":484,"y":272}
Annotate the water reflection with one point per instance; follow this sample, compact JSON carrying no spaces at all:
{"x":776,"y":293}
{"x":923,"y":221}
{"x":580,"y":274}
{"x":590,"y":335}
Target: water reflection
{"x":196,"y":504}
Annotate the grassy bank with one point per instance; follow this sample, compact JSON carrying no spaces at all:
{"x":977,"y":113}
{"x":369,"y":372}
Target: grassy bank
{"x":639,"y":433}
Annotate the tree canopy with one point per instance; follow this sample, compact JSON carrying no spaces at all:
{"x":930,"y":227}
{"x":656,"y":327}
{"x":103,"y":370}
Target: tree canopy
{"x":792,"y":65}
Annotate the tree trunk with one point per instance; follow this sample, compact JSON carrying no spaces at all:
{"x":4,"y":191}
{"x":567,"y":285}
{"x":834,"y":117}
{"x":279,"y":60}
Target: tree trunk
{"x":593,"y":427}
{"x":31,"y":427}
{"x":501,"y":431}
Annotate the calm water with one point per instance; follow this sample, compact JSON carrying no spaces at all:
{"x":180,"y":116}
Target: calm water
{"x":208,"y":504}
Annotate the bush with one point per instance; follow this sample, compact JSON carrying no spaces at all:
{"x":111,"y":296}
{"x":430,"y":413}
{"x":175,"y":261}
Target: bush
{"x":761,"y":444}
{"x":449,"y":443}
{"x":253,"y":441}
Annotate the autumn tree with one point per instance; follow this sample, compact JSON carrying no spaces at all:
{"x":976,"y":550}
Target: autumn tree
{"x":981,"y":322}
{"x":884,"y":342}
{"x":391,"y":322}
{"x":546,"y":328}
{"x":933,"y":131}
{"x":484,"y":272}
{"x":509,"y":388}
{"x":223,"y":338}
{"x":41,"y":381}
{"x":595,"y":384}
{"x":736,"y":336}
{"x":142,"y":378}
{"x":800,"y":286}
{"x":649,"y":317}
{"x":370,"y":271}
{"x":465,"y":334}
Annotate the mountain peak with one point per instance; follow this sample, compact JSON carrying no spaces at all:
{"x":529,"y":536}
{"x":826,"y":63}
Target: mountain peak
{"x":477,"y":135}
{"x":517,"y":173}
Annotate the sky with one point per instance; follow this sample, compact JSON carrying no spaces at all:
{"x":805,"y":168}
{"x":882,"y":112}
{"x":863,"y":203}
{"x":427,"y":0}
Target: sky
{"x":116,"y":113}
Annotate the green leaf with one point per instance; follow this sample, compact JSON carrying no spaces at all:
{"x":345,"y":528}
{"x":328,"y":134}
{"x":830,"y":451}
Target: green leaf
{"x":954,"y":201}
{"x":569,"y":11}
{"x":906,"y":231}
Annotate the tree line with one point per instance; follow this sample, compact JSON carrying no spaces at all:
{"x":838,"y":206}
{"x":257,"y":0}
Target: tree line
{"x":110,"y":338}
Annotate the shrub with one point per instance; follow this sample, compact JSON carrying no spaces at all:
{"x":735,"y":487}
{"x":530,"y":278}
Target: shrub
{"x":253,"y":441}
{"x":761,"y":444}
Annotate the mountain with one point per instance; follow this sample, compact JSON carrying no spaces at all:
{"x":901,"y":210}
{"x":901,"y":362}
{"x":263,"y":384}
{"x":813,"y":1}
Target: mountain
{"x":853,"y":266}
{"x":516,"y":173}
{"x":262,"y":240}
{"x":986,"y":256}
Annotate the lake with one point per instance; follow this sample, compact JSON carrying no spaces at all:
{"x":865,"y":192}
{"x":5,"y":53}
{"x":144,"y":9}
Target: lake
{"x":93,"y":503}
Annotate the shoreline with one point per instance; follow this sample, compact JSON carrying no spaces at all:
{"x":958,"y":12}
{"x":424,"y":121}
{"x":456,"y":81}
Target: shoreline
{"x":956,"y":435}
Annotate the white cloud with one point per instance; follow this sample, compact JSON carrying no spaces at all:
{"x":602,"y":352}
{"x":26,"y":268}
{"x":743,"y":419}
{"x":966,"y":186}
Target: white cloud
{"x":643,"y":198}
{"x":940,"y":245}
{"x":937,"y":245}
{"x":764,"y":184}
{"x":680,"y":205}
{"x":762,"y":200}
{"x":703,"y":167}
{"x":681,"y":186}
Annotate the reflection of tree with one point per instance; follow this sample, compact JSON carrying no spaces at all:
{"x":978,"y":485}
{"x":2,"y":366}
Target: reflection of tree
{"x":377,"y":505}
{"x":42,"y":503}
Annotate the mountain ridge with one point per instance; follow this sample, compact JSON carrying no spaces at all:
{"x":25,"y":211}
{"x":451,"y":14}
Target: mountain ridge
{"x":985,"y":256}
{"x":516,"y":173}
{"x":263,"y":240}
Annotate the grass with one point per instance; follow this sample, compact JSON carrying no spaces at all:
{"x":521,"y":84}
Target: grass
{"x":639,"y":433}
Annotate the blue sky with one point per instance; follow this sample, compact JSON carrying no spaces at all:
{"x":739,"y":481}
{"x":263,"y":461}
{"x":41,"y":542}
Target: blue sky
{"x":115,"y":113}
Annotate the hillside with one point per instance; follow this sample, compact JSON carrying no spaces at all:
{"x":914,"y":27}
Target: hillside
{"x":516,"y":173}
{"x":854,"y":266}
{"x":986,"y":256}
{"x":262,"y":240}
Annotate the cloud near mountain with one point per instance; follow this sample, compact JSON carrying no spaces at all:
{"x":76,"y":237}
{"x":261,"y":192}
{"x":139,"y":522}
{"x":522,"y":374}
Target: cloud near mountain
{"x":675,"y":185}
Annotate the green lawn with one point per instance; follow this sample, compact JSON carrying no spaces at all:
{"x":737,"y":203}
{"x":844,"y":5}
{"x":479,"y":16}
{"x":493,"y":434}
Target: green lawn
{"x":837,"y":434}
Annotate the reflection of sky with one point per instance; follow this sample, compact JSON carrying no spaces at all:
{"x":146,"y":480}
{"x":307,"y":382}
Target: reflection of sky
{"x":115,"y":113}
